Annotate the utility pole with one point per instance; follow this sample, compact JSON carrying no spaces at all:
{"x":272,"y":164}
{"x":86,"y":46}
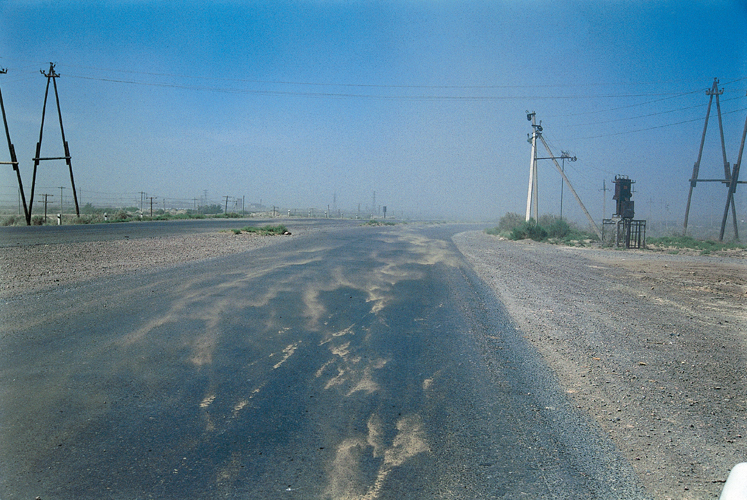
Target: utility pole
{"x":142,"y":194}
{"x":564,"y":155}
{"x":226,"y":209}
{"x":733,"y":188}
{"x":604,"y":198}
{"x":532,"y":197}
{"x":532,"y":194}
{"x":713,"y":92}
{"x":51,"y":75}
{"x":61,"y":188}
{"x":13,"y":159}
{"x":46,"y":197}
{"x":151,"y":205}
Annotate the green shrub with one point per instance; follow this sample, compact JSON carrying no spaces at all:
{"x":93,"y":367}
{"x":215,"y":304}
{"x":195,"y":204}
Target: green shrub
{"x":510,"y":221}
{"x":266,"y":230}
{"x":558,"y":229}
{"x":12,"y":220}
{"x":528,"y":229}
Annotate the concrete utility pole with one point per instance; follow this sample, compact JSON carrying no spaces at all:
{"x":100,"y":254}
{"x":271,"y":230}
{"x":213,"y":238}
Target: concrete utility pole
{"x":532,"y":194}
{"x":226,"y":210}
{"x":532,"y":190}
{"x":151,"y":204}
{"x":142,"y":195}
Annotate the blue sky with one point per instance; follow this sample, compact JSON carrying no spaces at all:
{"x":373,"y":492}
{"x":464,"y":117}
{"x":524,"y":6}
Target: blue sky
{"x":292,"y":103}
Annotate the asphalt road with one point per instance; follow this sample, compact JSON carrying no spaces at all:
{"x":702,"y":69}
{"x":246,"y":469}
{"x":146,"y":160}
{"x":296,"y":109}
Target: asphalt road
{"x":349,"y":363}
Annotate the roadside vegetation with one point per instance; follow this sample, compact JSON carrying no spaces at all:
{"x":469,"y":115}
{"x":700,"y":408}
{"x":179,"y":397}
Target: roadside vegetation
{"x":549,"y":229}
{"x":280,"y":229}
{"x":682,"y":244}
{"x":374,"y":222}
{"x":94,"y":215}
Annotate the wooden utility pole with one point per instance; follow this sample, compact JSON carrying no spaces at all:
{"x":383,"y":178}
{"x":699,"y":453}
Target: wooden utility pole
{"x":570,"y":186}
{"x":713,"y":92}
{"x":51,"y":75}
{"x":46,"y":199}
{"x":13,"y":159}
{"x":604,"y":198}
{"x":733,"y":188}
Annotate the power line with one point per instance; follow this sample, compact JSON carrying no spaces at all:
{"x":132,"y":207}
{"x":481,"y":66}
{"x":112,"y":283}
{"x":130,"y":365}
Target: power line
{"x":366,"y":96}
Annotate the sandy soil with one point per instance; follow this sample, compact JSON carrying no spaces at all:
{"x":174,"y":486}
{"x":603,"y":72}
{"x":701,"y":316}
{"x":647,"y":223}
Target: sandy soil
{"x":652,"y":345}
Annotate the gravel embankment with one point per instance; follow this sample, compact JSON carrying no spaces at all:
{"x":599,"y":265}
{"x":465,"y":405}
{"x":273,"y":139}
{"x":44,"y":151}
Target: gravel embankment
{"x":651,"y":345}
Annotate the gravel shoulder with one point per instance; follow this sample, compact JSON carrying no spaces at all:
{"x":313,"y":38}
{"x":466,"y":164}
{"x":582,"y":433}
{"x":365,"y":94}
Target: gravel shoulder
{"x":33,"y":268}
{"x":651,"y":345}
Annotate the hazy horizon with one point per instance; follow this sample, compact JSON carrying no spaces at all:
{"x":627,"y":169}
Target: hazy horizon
{"x":320,"y":103}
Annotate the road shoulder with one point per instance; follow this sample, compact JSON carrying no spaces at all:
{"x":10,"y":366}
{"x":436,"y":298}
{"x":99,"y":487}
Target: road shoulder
{"x":651,"y":345}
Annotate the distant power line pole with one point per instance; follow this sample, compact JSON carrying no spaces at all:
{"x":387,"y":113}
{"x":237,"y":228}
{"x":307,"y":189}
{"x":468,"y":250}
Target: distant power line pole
{"x":151,"y":205}
{"x":564,"y":155}
{"x":604,"y":198}
{"x":61,"y":188}
{"x":46,"y":197}
{"x":226,"y":209}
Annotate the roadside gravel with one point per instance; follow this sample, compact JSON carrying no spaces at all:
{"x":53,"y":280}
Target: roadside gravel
{"x":39,"y":267}
{"x":651,"y":345}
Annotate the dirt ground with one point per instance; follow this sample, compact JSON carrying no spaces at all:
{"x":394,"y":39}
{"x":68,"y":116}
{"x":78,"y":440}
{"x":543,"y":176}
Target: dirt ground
{"x":652,"y":345}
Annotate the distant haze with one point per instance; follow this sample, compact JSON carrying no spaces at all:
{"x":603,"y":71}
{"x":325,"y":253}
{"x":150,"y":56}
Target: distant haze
{"x":320,"y":103}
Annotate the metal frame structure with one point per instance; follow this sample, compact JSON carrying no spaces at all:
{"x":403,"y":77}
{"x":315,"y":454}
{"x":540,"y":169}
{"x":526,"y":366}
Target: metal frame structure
{"x":627,"y":232}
